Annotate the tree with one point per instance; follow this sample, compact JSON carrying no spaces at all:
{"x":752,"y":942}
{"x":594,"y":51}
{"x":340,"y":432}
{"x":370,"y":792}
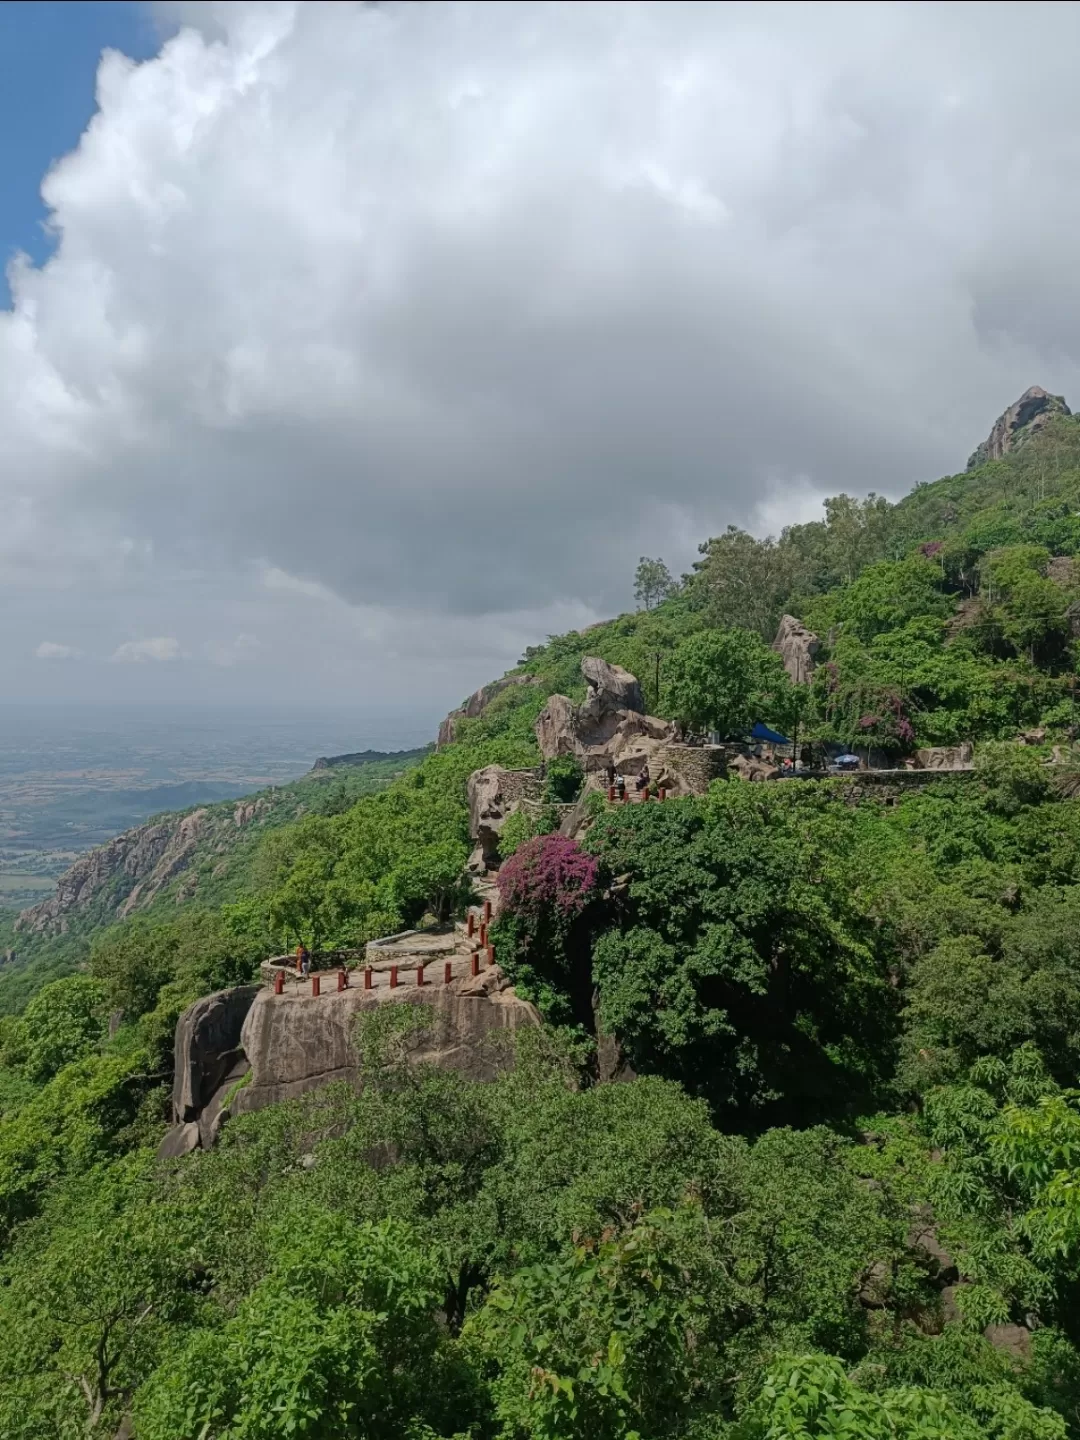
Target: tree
{"x":430,"y":878}
{"x":726,"y":680}
{"x":652,"y":582}
{"x":744,"y":581}
{"x":340,"y":1338}
{"x":91,"y":1292}
{"x":608,"y":1339}
{"x":742,"y":963}
{"x":811,"y":1397}
{"x":63,"y":1022}
{"x":548,"y":888}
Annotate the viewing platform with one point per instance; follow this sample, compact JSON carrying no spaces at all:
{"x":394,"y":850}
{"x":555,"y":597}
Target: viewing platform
{"x":435,"y":955}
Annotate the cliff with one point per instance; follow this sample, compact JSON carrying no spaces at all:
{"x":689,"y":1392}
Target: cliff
{"x":205,"y":851}
{"x":281,"y":1046}
{"x":125,"y":875}
{"x":1016,"y":425}
{"x":476,"y":704}
{"x":366,"y":757}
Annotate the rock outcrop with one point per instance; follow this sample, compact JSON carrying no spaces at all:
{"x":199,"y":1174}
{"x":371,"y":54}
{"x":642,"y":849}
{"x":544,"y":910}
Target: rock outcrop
{"x":297,"y":1043}
{"x":608,"y":727}
{"x":123,"y":875}
{"x":494,"y":793}
{"x":752,"y":767}
{"x":797,"y":647}
{"x":208,"y":1061}
{"x":288,"y":1044}
{"x":943,"y":757}
{"x":476,"y":704}
{"x":1031,"y":413}
{"x":609,"y":688}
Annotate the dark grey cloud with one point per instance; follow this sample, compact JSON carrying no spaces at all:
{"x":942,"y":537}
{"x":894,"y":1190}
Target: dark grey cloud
{"x":449,"y":311}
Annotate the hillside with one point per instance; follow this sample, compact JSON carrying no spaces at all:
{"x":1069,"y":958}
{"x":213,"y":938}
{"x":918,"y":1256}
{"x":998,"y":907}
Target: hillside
{"x":203,"y":855}
{"x":837,"y":1194}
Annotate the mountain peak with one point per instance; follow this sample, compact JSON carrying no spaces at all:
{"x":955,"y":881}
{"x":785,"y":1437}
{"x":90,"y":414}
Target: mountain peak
{"x":1015,"y":426}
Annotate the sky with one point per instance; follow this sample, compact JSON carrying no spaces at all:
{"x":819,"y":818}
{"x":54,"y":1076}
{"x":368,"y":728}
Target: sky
{"x":349,"y":349}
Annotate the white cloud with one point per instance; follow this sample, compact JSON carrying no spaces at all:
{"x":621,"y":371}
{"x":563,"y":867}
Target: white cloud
{"x":50,"y":650}
{"x":437,"y":316}
{"x":161,"y":647}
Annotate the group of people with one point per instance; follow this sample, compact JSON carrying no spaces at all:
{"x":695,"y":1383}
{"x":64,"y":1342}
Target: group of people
{"x":617,"y":780}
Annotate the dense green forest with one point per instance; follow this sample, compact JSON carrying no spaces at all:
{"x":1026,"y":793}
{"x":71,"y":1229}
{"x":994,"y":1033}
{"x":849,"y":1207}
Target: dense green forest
{"x":842,"y":1197}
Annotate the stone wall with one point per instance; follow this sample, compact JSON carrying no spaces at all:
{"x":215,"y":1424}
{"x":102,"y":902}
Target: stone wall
{"x":695,"y":766}
{"x":886,"y":786}
{"x":522,"y":784}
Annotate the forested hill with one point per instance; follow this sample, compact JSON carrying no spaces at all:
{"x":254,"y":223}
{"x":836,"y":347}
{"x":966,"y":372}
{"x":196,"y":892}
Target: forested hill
{"x":840,"y":1195}
{"x":207,"y":855}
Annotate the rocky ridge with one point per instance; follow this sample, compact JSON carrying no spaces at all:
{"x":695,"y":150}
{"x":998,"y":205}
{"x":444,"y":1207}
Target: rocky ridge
{"x":476,"y":704}
{"x":124,"y":875}
{"x":147,"y":862}
{"x":1015,"y":426}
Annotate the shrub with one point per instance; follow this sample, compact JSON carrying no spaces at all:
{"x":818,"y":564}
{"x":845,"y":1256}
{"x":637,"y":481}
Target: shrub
{"x":550,"y":873}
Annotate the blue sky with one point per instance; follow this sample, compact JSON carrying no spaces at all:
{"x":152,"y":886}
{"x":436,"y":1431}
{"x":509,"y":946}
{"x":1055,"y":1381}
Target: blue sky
{"x":49,"y":51}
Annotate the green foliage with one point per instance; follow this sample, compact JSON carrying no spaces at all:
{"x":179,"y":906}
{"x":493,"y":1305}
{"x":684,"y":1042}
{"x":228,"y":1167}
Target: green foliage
{"x":810,"y":1396}
{"x":197,"y":951}
{"x":741,"y":962}
{"x":542,"y":1255}
{"x":91,"y":1295}
{"x":307,"y":1351}
{"x":726,"y":680}
{"x":564,"y":779}
{"x":608,"y":1339}
{"x":63,"y":1022}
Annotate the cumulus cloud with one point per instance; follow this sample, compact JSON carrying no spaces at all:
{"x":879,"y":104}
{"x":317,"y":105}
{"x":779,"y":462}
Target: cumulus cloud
{"x":50,"y":650}
{"x":451,"y":311}
{"x":161,"y":647}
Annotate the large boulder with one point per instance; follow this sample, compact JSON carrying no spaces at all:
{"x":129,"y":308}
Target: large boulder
{"x":494,"y":793}
{"x":797,"y":647}
{"x":944,"y":757}
{"x":752,"y":767}
{"x":1031,"y":413}
{"x":298,"y":1042}
{"x":209,"y":1060}
{"x":609,"y":688}
{"x":609,"y":727}
{"x":207,"y":1046}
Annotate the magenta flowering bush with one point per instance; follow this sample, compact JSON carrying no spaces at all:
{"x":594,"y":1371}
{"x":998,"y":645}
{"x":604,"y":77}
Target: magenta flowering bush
{"x":548,"y":874}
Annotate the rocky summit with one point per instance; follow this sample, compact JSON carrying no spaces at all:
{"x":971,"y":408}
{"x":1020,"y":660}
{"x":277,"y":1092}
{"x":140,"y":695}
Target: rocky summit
{"x":1015,"y":426}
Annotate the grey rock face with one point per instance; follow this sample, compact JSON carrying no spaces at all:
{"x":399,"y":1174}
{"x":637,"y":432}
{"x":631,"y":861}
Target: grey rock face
{"x":493,"y":794}
{"x":208,"y":1051}
{"x":1034,"y":410}
{"x":476,"y":704}
{"x":944,"y":757}
{"x":797,"y":647}
{"x":609,"y":688}
{"x":609,"y":726}
{"x":178,"y":1141}
{"x":296,"y":1043}
{"x":130,"y":870}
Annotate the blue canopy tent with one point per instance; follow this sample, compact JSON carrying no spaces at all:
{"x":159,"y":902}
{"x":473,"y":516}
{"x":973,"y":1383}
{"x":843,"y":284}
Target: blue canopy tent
{"x":762,"y":732}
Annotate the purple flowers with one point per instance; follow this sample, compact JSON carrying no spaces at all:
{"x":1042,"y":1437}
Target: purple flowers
{"x":548,"y":873}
